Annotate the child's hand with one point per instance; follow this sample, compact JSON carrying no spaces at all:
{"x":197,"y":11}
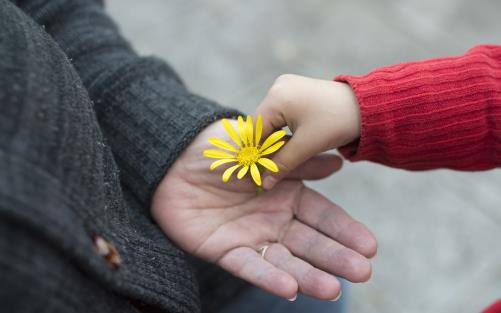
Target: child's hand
{"x":321,"y":114}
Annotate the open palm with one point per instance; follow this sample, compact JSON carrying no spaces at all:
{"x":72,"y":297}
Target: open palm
{"x":311,"y":240}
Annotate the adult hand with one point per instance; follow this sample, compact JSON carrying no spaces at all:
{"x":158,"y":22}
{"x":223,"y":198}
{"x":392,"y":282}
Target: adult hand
{"x":311,"y":240}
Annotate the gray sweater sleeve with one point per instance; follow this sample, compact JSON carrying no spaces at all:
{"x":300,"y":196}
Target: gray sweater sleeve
{"x":146,"y":113}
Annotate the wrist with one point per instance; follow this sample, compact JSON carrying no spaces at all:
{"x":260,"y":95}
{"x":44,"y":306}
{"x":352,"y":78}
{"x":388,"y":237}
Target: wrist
{"x":348,"y":108}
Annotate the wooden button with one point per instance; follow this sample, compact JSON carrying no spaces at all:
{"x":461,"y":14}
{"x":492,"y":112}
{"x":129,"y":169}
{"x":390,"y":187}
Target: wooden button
{"x":108,"y":251}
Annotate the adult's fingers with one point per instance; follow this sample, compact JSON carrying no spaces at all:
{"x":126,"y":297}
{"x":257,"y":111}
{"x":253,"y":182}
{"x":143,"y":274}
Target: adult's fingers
{"x":247,"y":264}
{"x":318,"y":212}
{"x":326,"y":253}
{"x":318,"y":167}
{"x":311,"y":281}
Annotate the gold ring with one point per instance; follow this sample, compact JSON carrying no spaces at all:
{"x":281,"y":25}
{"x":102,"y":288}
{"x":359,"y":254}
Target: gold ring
{"x":262,"y":250}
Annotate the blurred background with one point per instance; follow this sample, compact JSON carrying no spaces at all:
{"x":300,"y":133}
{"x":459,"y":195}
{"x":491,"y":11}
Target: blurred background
{"x":439,"y":232}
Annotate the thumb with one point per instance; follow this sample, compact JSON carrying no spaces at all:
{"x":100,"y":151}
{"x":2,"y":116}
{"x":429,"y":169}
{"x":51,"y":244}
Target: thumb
{"x":299,"y":148}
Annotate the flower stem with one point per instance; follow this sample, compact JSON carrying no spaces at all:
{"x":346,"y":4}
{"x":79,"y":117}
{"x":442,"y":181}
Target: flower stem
{"x":259,"y":190}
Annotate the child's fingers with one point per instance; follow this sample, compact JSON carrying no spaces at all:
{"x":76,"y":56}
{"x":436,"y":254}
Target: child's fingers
{"x":301,"y":147}
{"x":272,"y":119}
{"x":278,"y":106}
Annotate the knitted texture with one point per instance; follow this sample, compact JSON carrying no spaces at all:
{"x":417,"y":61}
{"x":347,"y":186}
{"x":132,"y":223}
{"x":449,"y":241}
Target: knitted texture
{"x":493,"y":308}
{"x":437,"y":113}
{"x":87,"y":129}
{"x":145,"y":112}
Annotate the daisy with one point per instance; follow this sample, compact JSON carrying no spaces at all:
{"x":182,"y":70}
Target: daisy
{"x":246,"y":151}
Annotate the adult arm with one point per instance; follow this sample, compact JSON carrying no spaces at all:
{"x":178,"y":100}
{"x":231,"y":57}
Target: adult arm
{"x":146,"y":113}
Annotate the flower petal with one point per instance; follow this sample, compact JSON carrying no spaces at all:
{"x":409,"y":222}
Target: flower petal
{"x":223,"y":144}
{"x":218,"y":154}
{"x":241,"y":129}
{"x":249,"y":131}
{"x":269,"y":164}
{"x":232,"y":132}
{"x":256,"y":176}
{"x":276,"y":136}
{"x":228,"y":172}
{"x":273,"y":148}
{"x":220,"y":162}
{"x":242,"y":172}
{"x":259,"y":129}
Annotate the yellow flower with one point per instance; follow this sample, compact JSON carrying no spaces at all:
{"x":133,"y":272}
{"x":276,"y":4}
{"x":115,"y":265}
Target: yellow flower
{"x":248,"y":152}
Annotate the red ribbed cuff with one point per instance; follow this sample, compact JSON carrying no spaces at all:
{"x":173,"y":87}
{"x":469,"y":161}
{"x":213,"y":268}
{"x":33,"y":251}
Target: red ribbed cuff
{"x":437,"y":113}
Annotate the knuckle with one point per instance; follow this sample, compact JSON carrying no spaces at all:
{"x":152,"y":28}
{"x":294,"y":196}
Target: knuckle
{"x":281,"y":89}
{"x":278,"y":93}
{"x":285,"y":78}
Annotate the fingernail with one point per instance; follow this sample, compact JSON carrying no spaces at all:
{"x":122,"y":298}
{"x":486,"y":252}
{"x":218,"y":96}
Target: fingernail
{"x":338,"y":296}
{"x":294,"y":298}
{"x":269,"y":182}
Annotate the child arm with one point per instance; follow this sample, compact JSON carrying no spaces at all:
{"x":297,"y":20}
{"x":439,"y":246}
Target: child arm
{"x":436,"y":113}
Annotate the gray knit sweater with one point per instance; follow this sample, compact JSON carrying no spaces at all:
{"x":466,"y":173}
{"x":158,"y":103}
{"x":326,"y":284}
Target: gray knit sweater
{"x":87,"y":130}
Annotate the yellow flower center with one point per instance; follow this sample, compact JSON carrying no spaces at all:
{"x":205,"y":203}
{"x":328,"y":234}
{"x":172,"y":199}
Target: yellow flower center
{"x":248,"y":155}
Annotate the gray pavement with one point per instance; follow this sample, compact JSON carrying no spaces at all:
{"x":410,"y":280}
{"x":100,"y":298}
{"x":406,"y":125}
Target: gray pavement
{"x":439,"y":232}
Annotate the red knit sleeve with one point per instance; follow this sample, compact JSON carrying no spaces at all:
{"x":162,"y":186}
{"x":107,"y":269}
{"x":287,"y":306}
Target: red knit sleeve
{"x":437,"y":113}
{"x":493,"y":308}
